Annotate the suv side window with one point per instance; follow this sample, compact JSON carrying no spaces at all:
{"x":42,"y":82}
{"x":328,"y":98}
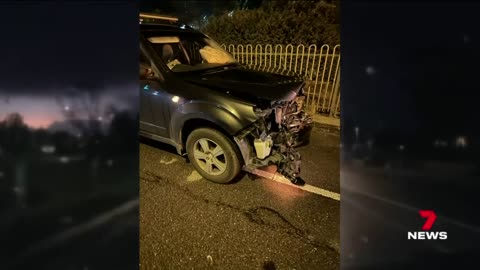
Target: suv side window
{"x":184,"y":52}
{"x":143,"y":58}
{"x":146,"y":67}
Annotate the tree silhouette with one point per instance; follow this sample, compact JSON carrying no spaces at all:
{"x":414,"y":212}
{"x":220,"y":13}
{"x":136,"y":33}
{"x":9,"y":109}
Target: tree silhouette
{"x":16,"y":136}
{"x":123,"y":133}
{"x":16,"y":140}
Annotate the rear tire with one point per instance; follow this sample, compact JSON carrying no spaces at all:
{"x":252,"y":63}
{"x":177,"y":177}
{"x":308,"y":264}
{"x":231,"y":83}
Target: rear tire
{"x":214,"y":155}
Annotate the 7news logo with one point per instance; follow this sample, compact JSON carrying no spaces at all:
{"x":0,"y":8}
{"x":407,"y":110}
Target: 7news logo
{"x":426,"y":234}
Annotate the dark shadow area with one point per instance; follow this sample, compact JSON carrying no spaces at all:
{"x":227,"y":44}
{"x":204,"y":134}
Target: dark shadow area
{"x":56,"y":181}
{"x":161,"y":146}
{"x":410,"y":140}
{"x":269,"y":265}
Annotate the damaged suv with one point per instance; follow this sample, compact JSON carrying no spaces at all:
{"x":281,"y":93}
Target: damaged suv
{"x":224,"y":116}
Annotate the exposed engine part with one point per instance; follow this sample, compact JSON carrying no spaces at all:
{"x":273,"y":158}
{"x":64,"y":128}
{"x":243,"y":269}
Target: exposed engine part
{"x":297,"y":122}
{"x":278,"y":115}
{"x":263,"y":147}
{"x":291,"y":165}
{"x":293,"y":119}
{"x":275,"y":144}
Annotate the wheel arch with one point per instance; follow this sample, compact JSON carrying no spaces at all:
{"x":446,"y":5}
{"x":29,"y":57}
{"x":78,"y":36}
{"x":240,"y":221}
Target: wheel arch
{"x":198,"y":115}
{"x":195,"y":123}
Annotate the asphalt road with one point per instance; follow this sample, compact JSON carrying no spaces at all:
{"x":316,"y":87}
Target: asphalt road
{"x":187,"y":222}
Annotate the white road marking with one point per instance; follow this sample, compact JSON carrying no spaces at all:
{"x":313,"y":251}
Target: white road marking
{"x":310,"y":188}
{"x":168,"y":162}
{"x":194,"y":176}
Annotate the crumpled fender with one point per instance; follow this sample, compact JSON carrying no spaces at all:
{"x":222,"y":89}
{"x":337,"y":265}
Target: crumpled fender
{"x":232,"y":120}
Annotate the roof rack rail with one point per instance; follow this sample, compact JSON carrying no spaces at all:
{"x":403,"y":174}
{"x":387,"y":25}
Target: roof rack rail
{"x":144,"y":16}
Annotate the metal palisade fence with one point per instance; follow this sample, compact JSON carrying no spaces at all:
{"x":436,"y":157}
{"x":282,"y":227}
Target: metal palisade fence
{"x":319,"y":65}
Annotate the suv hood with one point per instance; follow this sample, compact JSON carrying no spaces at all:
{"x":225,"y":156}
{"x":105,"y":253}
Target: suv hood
{"x":251,"y":83}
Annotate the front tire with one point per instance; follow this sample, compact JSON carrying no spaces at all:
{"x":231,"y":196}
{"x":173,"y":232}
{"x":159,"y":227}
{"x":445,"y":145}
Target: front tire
{"x":213,"y":155}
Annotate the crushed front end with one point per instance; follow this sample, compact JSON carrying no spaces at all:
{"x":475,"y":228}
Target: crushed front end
{"x":273,"y":139}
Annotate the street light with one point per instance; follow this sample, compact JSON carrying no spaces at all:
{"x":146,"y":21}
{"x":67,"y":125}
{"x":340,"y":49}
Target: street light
{"x":357,"y":131}
{"x":370,"y":70}
{"x":461,"y":142}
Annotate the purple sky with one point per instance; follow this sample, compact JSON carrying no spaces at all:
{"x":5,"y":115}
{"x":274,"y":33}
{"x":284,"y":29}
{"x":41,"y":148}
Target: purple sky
{"x":42,"y":111}
{"x":38,"y":113}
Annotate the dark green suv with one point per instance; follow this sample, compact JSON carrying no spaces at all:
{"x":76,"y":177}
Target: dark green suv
{"x":225,"y":116}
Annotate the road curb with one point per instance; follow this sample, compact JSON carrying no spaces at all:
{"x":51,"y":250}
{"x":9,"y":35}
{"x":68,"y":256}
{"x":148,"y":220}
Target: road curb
{"x":326,"y":120}
{"x":326,"y":128}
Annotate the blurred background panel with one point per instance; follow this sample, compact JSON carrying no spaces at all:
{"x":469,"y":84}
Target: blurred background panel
{"x":68,"y":135}
{"x":410,"y":138}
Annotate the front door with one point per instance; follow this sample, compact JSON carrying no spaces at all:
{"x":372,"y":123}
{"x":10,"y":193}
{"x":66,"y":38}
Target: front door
{"x":154,"y":111}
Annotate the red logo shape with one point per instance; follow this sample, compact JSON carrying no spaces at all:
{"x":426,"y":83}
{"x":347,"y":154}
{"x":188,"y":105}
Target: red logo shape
{"x":430,"y":216}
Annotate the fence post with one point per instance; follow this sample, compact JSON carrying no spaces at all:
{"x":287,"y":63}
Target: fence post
{"x":324,"y":100}
{"x":336,"y":92}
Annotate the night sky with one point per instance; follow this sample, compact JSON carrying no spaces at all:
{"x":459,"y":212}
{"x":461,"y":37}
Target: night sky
{"x":424,"y":58}
{"x":188,"y":10}
{"x":47,"y":49}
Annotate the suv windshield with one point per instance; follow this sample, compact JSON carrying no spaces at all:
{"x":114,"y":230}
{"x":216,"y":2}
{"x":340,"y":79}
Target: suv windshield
{"x":189,"y":52}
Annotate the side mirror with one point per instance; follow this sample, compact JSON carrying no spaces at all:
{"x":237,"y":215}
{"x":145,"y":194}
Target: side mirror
{"x":146,"y":71}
